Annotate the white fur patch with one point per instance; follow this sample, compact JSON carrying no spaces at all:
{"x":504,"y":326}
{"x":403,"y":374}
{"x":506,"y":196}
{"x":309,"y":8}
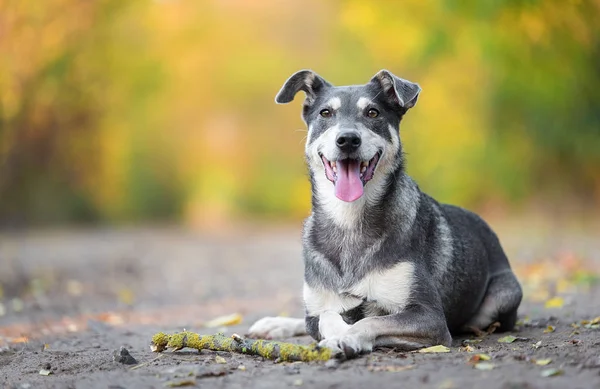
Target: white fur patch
{"x":363,"y":102}
{"x":389,"y":289}
{"x":331,"y":325}
{"x":344,"y":343}
{"x":277,"y":328}
{"x":318,"y":301}
{"x":335,"y":103}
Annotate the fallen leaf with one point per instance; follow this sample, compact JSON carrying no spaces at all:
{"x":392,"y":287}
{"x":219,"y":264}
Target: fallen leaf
{"x":543,"y":362}
{"x":178,"y":384}
{"x":468,"y":349}
{"x":242,"y":367}
{"x":551,"y":372}
{"x":480,"y":357}
{"x":126,"y":296}
{"x":507,"y":339}
{"x":549,"y":329}
{"x":298,"y":382}
{"x":595,"y":320}
{"x":220,"y":359}
{"x":484,"y":366}
{"x":45,"y":372}
{"x":435,"y":349}
{"x":537,"y":345}
{"x":228,"y":320}
{"x":555,"y":302}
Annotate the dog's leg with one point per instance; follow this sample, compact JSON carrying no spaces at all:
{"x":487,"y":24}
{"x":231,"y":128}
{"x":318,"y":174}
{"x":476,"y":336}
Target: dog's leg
{"x":500,"y":304}
{"x":277,"y":328}
{"x":416,"y":327}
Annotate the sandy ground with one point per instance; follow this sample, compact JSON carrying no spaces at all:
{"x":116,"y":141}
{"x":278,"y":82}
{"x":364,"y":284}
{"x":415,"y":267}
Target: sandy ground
{"x":69,"y":299}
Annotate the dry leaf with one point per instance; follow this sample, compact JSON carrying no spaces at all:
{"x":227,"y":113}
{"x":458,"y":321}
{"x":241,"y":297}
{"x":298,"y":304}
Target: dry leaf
{"x":242,"y":367}
{"x":507,"y":339}
{"x":220,"y":359}
{"x":435,"y":349}
{"x":45,"y":372}
{"x":468,"y":349}
{"x":551,"y":372}
{"x":555,"y":302}
{"x":543,"y":362}
{"x":177,"y":384}
{"x":484,"y":366}
{"x":480,"y":357}
{"x":549,"y":329}
{"x":298,"y":382}
{"x":126,"y":296}
{"x":228,"y":320}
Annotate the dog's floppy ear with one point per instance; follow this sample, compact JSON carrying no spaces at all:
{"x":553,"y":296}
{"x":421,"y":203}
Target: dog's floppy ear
{"x":399,"y":90}
{"x":306,"y":80}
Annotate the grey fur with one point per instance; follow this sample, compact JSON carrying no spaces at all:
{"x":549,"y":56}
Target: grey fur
{"x":461,"y":276}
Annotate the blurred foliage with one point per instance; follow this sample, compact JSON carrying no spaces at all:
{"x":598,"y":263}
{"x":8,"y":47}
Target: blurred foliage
{"x":118,"y":111}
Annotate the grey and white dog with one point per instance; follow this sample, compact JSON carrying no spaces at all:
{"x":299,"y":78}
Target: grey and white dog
{"x":385,"y":264}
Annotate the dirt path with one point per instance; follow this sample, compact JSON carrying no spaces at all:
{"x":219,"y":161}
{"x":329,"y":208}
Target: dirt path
{"x":69,"y":300}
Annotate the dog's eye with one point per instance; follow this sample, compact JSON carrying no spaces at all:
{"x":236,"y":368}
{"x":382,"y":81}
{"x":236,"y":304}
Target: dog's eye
{"x":373,"y":113}
{"x":325,"y":113}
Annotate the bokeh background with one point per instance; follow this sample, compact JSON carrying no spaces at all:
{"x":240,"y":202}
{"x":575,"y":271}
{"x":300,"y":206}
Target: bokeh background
{"x":117,"y":112}
{"x":147,"y":176}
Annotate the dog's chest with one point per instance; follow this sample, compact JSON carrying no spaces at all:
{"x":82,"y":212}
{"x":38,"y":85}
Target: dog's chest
{"x":384,"y":290}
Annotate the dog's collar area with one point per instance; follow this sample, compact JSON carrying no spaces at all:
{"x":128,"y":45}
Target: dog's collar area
{"x":349,"y":176}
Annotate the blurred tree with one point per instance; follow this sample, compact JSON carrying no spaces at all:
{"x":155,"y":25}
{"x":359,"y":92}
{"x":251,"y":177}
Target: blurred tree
{"x":117,"y":111}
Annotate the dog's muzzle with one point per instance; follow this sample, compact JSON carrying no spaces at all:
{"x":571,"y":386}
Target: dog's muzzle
{"x":349,"y":176}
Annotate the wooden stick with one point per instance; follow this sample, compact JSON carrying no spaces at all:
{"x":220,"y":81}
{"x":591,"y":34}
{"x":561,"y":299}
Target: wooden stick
{"x":281,"y":351}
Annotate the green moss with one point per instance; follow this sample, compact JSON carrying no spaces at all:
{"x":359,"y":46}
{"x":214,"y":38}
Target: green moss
{"x":160,"y":341}
{"x":219,"y":342}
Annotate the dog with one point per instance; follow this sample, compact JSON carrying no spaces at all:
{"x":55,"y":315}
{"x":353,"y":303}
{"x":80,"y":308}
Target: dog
{"x":386,"y":265}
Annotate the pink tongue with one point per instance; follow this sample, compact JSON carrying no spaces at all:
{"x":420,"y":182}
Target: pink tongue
{"x":348,"y":186}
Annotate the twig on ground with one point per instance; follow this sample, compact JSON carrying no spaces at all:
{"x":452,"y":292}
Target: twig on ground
{"x":285,"y":352}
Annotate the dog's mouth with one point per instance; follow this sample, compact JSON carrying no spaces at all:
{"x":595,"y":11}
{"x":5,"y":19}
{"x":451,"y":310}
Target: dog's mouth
{"x":349,"y":176}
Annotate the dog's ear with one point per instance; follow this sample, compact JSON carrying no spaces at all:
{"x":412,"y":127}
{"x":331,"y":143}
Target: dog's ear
{"x":304,"y":80}
{"x":398,"y":90}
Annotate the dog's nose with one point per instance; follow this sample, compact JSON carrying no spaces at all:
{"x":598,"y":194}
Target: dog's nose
{"x":348,"y":141}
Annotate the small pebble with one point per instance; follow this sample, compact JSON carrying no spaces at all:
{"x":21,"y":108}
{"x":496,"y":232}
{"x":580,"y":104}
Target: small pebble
{"x":122,"y":356}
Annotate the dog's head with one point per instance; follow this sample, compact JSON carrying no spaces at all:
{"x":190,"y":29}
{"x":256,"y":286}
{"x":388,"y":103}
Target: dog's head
{"x":353,"y":135}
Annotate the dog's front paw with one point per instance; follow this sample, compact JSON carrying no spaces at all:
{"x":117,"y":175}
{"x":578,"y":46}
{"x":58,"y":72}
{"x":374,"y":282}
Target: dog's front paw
{"x":277,"y":328}
{"x":347,"y":346}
